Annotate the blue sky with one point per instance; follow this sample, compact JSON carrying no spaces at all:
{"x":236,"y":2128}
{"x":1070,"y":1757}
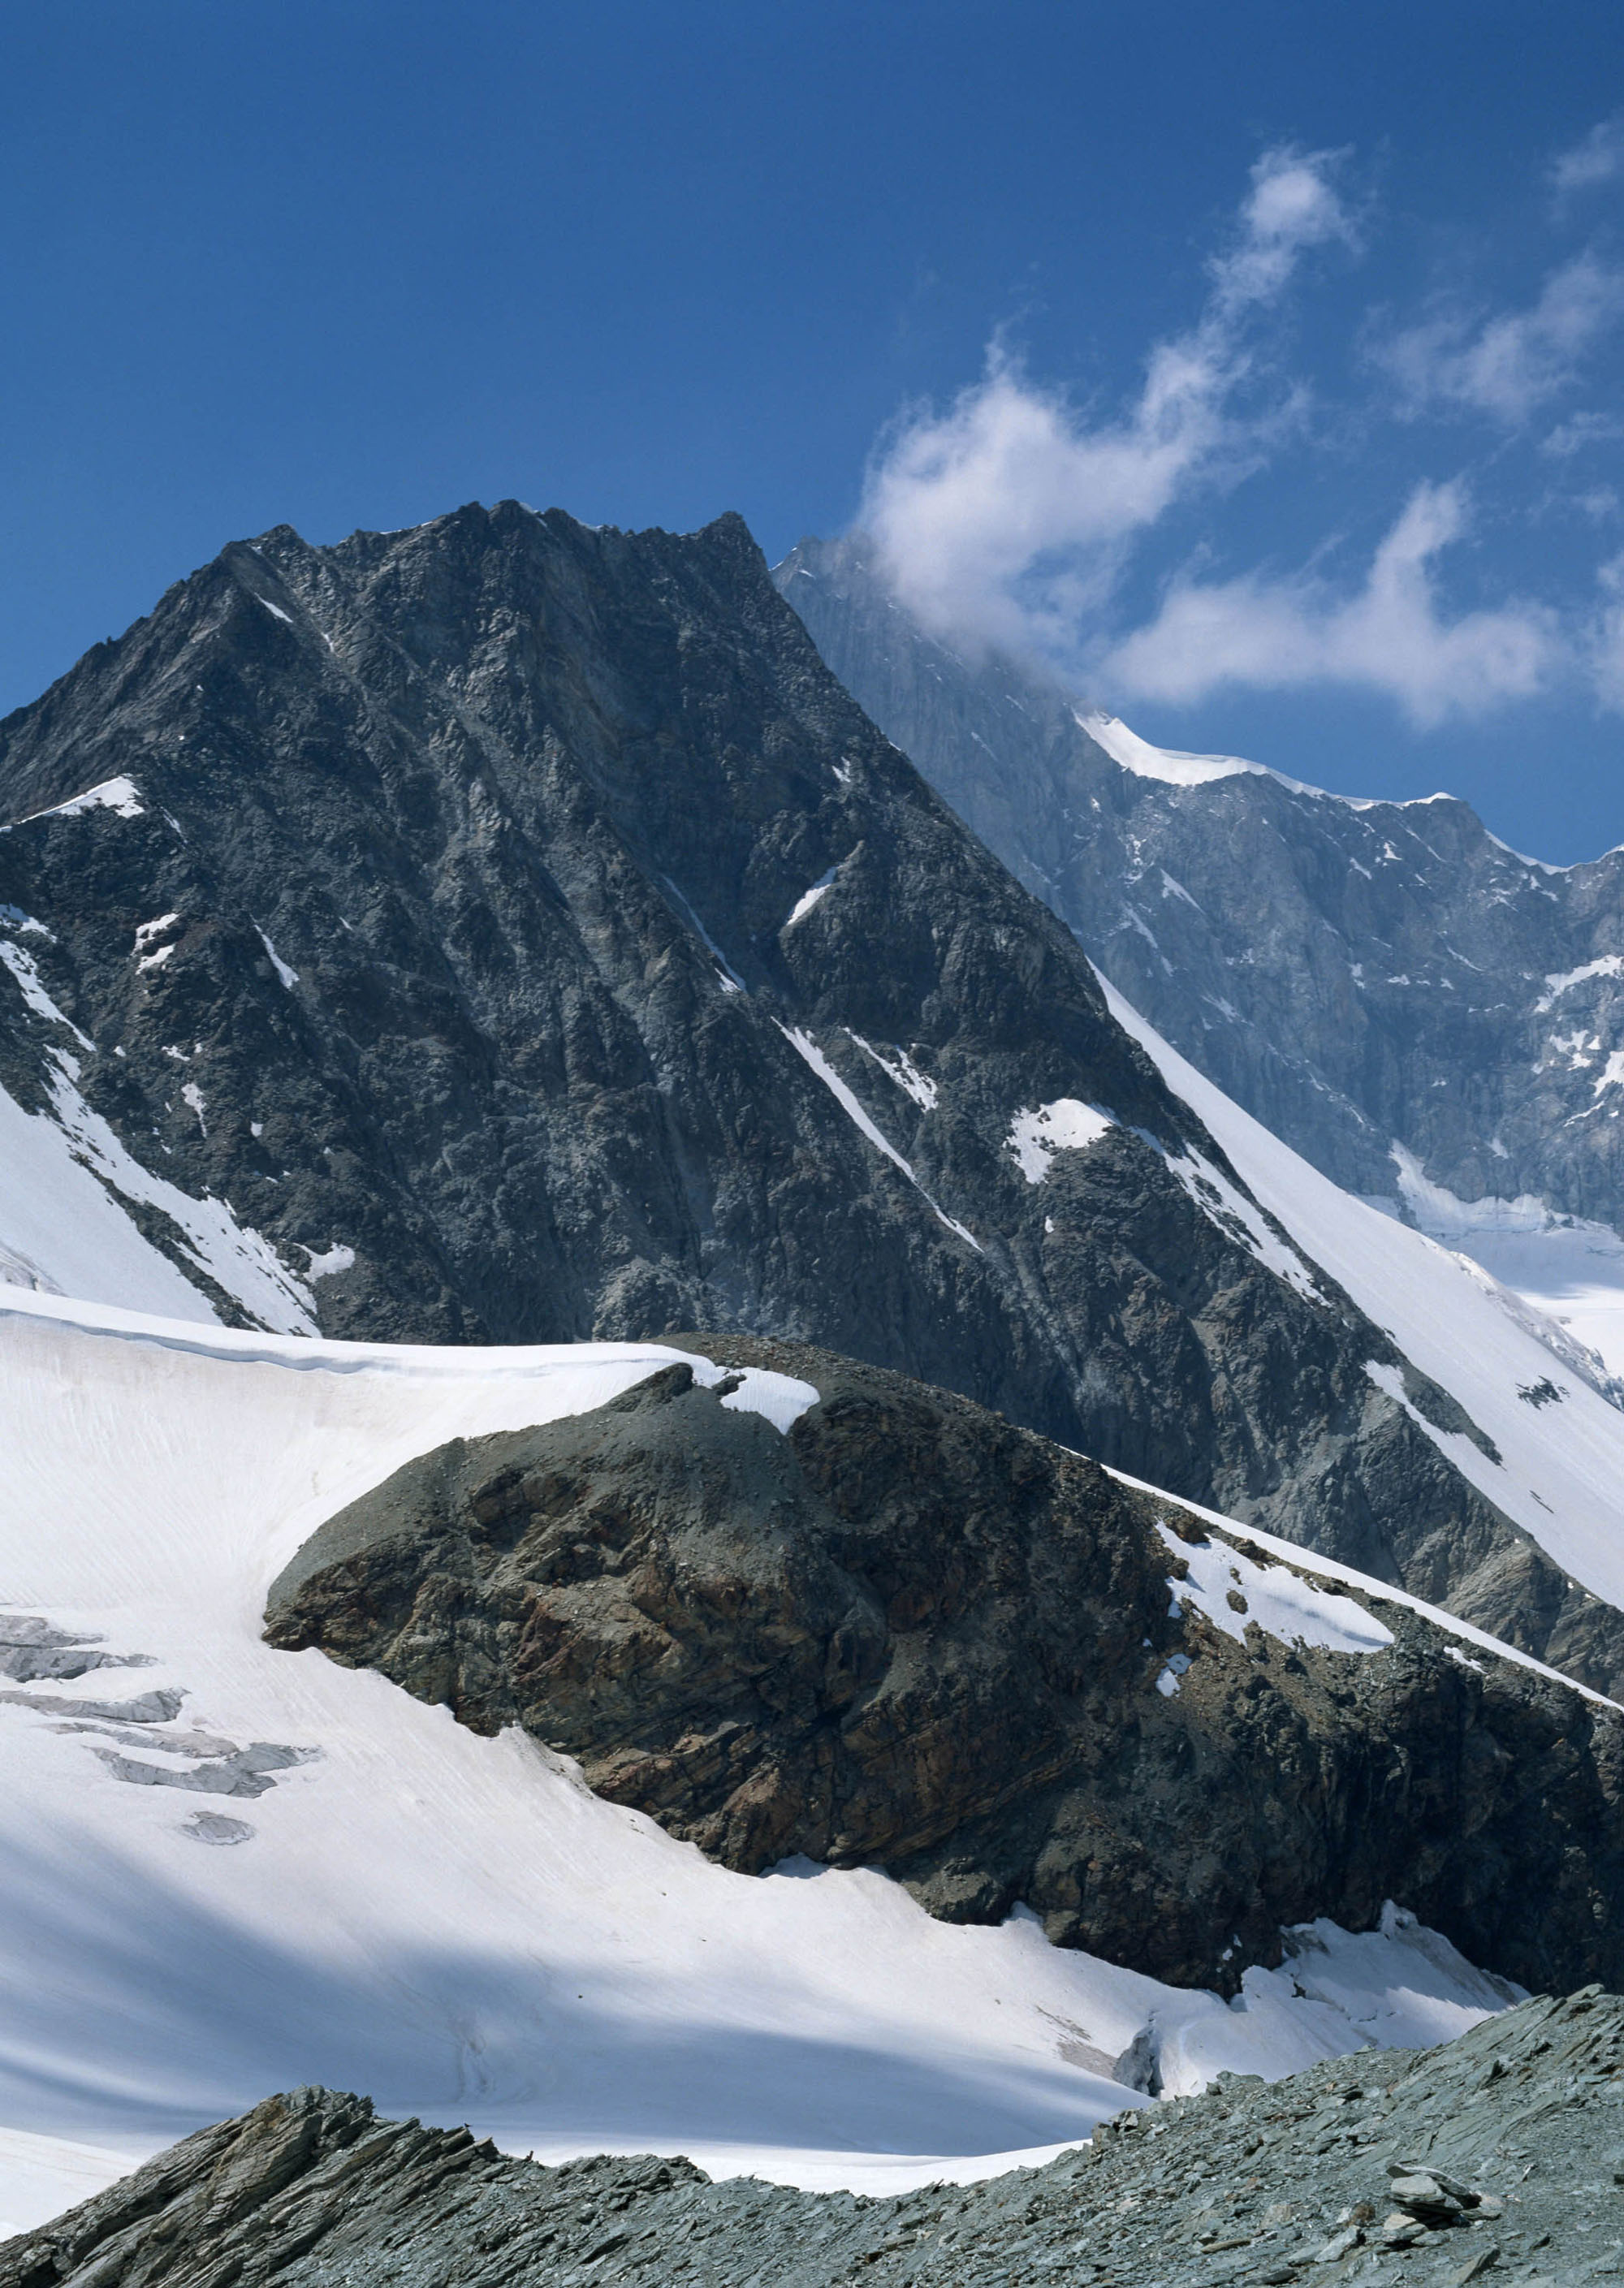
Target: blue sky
{"x":1260,"y":364}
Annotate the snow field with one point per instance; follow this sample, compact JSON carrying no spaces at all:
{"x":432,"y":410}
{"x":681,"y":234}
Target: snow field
{"x":454,"y":1925}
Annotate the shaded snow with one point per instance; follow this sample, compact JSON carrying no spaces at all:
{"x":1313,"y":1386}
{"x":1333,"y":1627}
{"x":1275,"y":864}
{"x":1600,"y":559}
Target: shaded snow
{"x":727,"y":976}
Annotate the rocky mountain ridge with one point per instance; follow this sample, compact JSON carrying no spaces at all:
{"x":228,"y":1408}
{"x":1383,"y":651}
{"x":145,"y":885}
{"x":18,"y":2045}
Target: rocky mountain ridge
{"x":508,"y":929}
{"x":1494,"y":2154}
{"x":1359,"y":975}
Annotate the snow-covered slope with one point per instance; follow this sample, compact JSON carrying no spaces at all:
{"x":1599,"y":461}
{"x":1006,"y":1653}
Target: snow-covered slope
{"x":385,"y":1901}
{"x":1560,"y":1474}
{"x":1571,"y":1268}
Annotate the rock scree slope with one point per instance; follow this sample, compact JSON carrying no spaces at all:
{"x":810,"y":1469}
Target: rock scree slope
{"x":1495,"y":2154}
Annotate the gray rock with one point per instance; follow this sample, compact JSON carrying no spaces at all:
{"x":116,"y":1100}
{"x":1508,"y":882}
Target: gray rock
{"x":311,"y":2190}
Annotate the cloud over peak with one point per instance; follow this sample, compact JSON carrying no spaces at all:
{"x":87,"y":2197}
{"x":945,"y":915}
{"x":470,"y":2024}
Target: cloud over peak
{"x":1020,"y":518}
{"x":1003,"y":518}
{"x":1389,"y":636}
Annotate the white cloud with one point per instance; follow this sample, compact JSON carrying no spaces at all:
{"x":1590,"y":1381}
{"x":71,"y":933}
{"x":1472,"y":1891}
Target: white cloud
{"x":1597,"y":158}
{"x":1390,"y":637}
{"x":1579,"y":431}
{"x":1003,"y":518}
{"x":1291,"y":206}
{"x":1506,"y":365}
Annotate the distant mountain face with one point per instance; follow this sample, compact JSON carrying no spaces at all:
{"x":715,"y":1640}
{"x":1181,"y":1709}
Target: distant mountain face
{"x":509,"y":930}
{"x":1360,"y":975}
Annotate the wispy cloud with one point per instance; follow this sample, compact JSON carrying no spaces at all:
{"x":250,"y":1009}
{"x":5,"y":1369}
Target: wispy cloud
{"x":1507,"y":365}
{"x":1390,"y":635}
{"x":1003,"y":518}
{"x":1606,"y":637}
{"x":1579,"y":431}
{"x":1015,"y":516}
{"x":1595,"y":159}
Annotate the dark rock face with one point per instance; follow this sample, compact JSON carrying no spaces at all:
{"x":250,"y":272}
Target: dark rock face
{"x":1355,"y":975}
{"x":908,"y":1633}
{"x":1332,"y":2168}
{"x":453,"y":946}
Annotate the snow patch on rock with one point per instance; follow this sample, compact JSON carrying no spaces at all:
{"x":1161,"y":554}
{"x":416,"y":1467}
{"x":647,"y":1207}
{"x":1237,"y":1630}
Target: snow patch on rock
{"x":119,"y":795}
{"x":1065,"y":1125}
{"x":1224,"y":1205}
{"x":1285,"y":1603}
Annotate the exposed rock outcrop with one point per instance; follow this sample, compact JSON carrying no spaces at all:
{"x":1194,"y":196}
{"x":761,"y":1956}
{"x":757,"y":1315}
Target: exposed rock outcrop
{"x":909,"y":1633}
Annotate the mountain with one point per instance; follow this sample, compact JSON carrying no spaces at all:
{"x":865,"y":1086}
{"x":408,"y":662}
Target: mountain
{"x":227,"y":1867}
{"x":1293,"y":2176}
{"x":511,"y":931}
{"x":1427,"y":1017}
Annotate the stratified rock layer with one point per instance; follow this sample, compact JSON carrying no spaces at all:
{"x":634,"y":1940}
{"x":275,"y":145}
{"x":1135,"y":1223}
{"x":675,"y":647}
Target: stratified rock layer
{"x":1331,"y":2175}
{"x":911,"y":1634}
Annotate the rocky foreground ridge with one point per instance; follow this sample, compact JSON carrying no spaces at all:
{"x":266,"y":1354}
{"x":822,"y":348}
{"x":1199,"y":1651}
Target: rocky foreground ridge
{"x":512,"y":930}
{"x":1496,"y":2155}
{"x":908,"y":1633}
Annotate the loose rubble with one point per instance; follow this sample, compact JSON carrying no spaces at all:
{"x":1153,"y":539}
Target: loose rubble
{"x":1498,"y":2153}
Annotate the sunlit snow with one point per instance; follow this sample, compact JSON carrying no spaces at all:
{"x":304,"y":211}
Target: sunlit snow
{"x":1275,"y":1596}
{"x":808,"y":898}
{"x":119,"y":795}
{"x":1035,"y":1136}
